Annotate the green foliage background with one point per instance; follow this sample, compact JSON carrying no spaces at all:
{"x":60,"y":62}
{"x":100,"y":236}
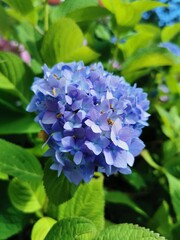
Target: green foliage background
{"x":36,"y":204}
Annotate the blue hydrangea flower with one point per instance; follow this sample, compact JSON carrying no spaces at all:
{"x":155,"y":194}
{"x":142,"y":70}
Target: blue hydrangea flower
{"x":93,"y":119}
{"x":166,"y":15}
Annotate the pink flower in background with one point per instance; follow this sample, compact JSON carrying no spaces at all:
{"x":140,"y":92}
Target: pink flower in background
{"x":16,"y":48}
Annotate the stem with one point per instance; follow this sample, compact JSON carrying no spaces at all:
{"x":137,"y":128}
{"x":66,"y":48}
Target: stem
{"x":46,"y":16}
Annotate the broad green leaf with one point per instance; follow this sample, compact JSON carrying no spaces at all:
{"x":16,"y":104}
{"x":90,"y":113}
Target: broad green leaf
{"x":61,"y":41}
{"x":135,"y":42}
{"x":127,"y":232}
{"x":146,"y":60}
{"x":123,"y":198}
{"x":17,"y":76}
{"x":143,"y":6}
{"x":4,"y":176}
{"x":148,"y":28}
{"x":20,"y":124}
{"x":147,"y":157}
{"x":17,"y":162}
{"x":171,"y":122}
{"x":24,"y":197}
{"x":5,"y":22}
{"x":85,"y":14}
{"x":41,"y":228}
{"x":171,"y":159}
{"x":88,"y":201}
{"x":21,"y":6}
{"x":71,"y":6}
{"x":28,"y":36}
{"x":12,"y":221}
{"x":169,"y":32}
{"x":84,"y":53}
{"x":174,"y":187}
{"x":156,"y":223}
{"x":129,"y":14}
{"x":72,"y":228}
{"x":58,"y":189}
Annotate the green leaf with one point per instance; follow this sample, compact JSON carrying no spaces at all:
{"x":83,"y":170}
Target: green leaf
{"x":129,"y":14}
{"x":123,"y":198}
{"x":84,"y":53}
{"x":143,"y":6}
{"x":156,"y":223}
{"x":127,"y":232}
{"x":169,"y":32}
{"x":12,"y":221}
{"x":147,"y":59}
{"x":28,"y":36}
{"x":88,"y":201}
{"x":174,"y":187}
{"x":5,"y":22}
{"x":70,"y":6}
{"x":147,"y":157}
{"x":58,"y":189}
{"x":85,"y":14}
{"x":20,"y":124}
{"x":24,"y":197}
{"x":62,"y":39}
{"x":41,"y":228}
{"x":21,"y":6}
{"x":4,"y":176}
{"x":15,"y":76}
{"x":135,"y":42}
{"x":72,"y":228}
{"x":19,"y":163}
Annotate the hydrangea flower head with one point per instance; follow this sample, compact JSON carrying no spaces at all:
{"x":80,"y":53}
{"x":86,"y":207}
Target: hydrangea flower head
{"x":93,"y":119}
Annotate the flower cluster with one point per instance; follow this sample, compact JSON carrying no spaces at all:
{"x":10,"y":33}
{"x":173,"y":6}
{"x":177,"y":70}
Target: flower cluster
{"x":166,"y":15}
{"x":93,"y":119}
{"x":16,"y":48}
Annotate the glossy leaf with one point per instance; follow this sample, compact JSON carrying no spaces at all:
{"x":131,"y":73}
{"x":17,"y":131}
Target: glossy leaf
{"x":17,"y":162}
{"x":72,"y":228}
{"x":88,"y":201}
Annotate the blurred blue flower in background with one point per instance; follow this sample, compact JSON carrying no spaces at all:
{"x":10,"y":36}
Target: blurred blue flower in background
{"x":166,"y":15}
{"x":93,"y":119}
{"x":173,"y":48}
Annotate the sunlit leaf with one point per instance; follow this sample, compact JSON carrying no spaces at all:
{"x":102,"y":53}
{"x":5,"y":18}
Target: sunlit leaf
{"x":72,"y":228}
{"x":88,"y":201}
